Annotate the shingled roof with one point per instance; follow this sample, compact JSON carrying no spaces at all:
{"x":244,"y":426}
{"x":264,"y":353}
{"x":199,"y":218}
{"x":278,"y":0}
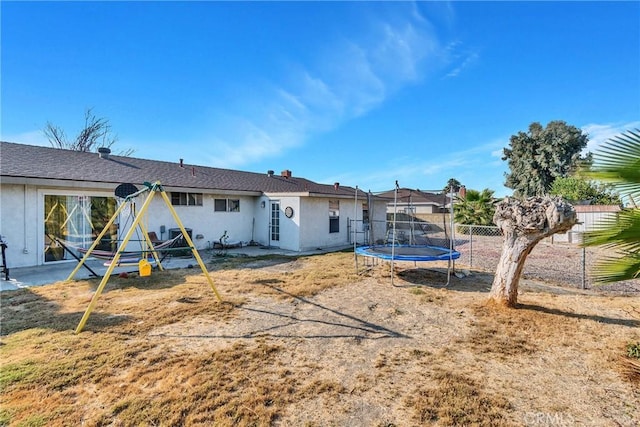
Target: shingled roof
{"x":408,"y":195}
{"x":29,"y":161}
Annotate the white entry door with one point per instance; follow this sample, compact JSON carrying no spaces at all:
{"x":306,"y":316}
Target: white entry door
{"x":274,"y":225}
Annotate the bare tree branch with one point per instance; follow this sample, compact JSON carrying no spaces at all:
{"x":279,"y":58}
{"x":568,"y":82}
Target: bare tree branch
{"x":95,"y":134}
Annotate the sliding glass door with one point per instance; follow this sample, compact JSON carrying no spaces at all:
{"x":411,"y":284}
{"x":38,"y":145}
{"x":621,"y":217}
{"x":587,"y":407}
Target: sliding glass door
{"x":75,"y":221}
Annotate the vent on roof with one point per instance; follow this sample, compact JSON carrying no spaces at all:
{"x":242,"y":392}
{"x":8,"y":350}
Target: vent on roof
{"x":181,"y":163}
{"x":103,"y":152}
{"x":270,"y":172}
{"x":336,"y":185}
{"x":286,"y":173}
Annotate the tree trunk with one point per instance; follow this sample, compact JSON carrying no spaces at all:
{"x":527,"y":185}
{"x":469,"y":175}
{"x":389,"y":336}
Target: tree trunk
{"x":523,"y":225}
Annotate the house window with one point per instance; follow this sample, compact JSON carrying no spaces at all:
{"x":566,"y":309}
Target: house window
{"x":186,"y":199}
{"x":334,"y":216}
{"x":226,"y":205}
{"x":365,"y":212}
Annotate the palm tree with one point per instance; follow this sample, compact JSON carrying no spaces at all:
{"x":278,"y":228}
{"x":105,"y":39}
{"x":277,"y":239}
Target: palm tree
{"x":618,"y":163}
{"x":475,"y":208}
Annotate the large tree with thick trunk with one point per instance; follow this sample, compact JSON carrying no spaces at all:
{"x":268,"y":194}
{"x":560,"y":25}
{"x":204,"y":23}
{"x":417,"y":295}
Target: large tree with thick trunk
{"x":523,"y":224}
{"x":536,"y":158}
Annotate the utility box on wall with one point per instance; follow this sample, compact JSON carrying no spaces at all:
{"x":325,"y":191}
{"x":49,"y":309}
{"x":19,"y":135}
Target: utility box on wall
{"x":173,"y":232}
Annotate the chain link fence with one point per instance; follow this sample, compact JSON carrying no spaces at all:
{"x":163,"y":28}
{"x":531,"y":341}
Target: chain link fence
{"x":560,"y":263}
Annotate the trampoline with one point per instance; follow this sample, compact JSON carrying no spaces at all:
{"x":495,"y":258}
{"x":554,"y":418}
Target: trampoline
{"x":409,"y":237}
{"x":408,"y":252}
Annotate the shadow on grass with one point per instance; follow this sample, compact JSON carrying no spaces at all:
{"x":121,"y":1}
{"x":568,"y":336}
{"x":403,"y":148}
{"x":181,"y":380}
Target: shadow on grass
{"x":328,"y":324}
{"x":437,"y":279}
{"x":253,"y":262}
{"x":358,"y":325}
{"x":631,"y":323}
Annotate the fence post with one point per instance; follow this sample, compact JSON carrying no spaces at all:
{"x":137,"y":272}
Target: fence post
{"x":584,"y":267}
{"x":471,"y":247}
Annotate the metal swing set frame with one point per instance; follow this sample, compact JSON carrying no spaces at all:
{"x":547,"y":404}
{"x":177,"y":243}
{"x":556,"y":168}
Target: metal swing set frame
{"x":152,"y":189}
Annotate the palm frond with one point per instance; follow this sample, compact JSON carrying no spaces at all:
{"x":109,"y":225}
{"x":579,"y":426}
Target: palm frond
{"x":618,"y":162}
{"x":615,"y":269}
{"x":621,"y":231}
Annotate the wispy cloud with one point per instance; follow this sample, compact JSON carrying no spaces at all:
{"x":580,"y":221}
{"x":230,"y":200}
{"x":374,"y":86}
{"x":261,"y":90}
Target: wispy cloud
{"x":348,"y":78}
{"x":600,"y":133}
{"x":475,"y":167}
{"x":462,"y":63}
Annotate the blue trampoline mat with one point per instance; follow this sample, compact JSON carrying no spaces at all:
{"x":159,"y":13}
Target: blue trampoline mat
{"x":409,"y":252}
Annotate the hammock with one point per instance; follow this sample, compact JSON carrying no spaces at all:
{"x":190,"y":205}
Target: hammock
{"x":132,"y":257}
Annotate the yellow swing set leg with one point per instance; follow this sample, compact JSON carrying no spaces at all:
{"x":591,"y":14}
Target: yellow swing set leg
{"x":194,"y":251}
{"x":156,"y":187}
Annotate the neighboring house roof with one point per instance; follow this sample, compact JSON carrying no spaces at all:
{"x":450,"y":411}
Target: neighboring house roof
{"x":416,"y":197}
{"x":29,"y":161}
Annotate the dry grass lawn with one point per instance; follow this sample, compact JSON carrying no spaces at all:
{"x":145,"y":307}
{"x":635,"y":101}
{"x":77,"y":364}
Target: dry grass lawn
{"x":308,"y":342}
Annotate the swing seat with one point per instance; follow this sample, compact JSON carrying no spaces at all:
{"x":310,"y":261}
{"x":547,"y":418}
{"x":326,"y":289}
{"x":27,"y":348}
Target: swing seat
{"x":144,"y":268}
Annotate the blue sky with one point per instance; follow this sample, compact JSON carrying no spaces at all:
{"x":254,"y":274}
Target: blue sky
{"x":361,"y":93}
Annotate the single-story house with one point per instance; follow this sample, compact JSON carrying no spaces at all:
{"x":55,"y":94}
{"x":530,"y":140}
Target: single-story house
{"x":50,"y":193}
{"x":416,"y":202}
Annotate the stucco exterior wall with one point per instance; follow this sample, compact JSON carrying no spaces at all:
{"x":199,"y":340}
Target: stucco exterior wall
{"x":18,"y":224}
{"x":289,"y":227}
{"x":22,"y":219}
{"x":206,"y":224}
{"x":22,"y":215}
{"x":314,"y":231}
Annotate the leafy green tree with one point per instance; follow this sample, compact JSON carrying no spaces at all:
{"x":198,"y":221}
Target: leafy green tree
{"x":452,"y":184}
{"x":576,"y":190}
{"x":617,"y":162}
{"x":95,"y":134}
{"x":475,"y":208}
{"x":538,"y":157}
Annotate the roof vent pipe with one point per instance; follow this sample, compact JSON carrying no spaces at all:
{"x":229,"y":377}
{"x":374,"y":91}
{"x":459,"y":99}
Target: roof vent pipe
{"x":270,"y":172}
{"x":103,"y":152}
{"x":336,"y":185}
{"x":181,"y":163}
